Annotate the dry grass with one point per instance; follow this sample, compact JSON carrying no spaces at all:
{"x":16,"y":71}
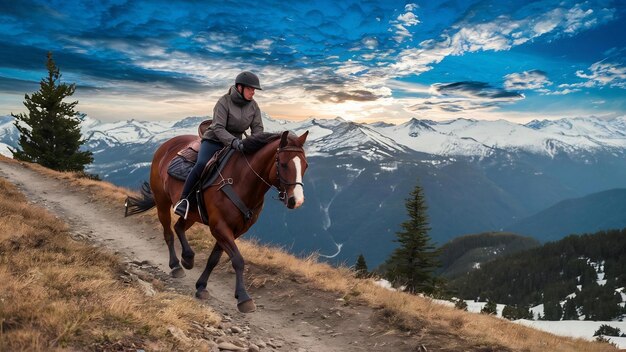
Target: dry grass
{"x":405,"y":310}
{"x":60,"y":294}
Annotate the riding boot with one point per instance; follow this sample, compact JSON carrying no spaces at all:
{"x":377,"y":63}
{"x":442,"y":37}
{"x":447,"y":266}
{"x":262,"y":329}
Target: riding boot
{"x":207,"y":149}
{"x":182,"y":206}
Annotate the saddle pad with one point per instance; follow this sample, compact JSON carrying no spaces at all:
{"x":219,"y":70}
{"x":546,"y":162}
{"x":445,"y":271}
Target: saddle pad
{"x":180,"y":167}
{"x":184,"y":161}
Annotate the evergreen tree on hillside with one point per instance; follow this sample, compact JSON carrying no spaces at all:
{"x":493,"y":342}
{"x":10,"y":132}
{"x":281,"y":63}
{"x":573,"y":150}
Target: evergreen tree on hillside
{"x":413,"y":262}
{"x":361,"y":267}
{"x":515,"y":313}
{"x":570,"y":312}
{"x":460,"y":304}
{"x":552,"y":310}
{"x":552,"y":272}
{"x":490,"y":308}
{"x":50,"y":131}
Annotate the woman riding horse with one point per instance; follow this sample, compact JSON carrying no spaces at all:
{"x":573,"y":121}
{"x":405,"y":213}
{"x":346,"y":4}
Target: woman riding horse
{"x":235,"y":112}
{"x":262,"y":161}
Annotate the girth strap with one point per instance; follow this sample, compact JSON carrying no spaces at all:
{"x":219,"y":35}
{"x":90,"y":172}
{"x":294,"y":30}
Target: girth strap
{"x":230,"y":193}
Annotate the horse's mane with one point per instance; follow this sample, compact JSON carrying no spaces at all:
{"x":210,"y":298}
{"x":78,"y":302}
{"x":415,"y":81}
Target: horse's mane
{"x":257,"y":141}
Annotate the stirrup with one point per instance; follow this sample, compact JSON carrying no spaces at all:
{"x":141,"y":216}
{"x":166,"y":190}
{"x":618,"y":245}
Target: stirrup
{"x":181,"y":208}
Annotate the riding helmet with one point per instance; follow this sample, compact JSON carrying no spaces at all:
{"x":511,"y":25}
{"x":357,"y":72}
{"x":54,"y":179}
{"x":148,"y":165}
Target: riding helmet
{"x":249,"y":79}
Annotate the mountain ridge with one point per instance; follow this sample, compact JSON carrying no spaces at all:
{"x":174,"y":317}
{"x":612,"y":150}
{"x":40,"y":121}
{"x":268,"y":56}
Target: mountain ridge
{"x":576,"y":215}
{"x":359,"y":177}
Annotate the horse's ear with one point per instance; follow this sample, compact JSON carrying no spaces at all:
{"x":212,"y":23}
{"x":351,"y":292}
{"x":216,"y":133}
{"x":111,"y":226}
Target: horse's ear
{"x":302,"y":138}
{"x":283,"y":139}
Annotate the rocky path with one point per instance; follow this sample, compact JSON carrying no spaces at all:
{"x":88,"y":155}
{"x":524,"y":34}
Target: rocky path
{"x":290,"y":315}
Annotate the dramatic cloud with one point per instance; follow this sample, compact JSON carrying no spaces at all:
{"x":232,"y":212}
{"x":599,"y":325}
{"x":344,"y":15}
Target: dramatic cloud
{"x":534,"y":79}
{"x":501,"y":33}
{"x":355,"y":95}
{"x":404,"y":20}
{"x":475,"y":89}
{"x":326,"y":58}
{"x":11,"y":85}
{"x":465,"y":96}
{"x":604,"y":74}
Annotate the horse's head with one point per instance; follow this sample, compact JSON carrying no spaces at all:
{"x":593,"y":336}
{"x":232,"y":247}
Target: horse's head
{"x":290,"y":166}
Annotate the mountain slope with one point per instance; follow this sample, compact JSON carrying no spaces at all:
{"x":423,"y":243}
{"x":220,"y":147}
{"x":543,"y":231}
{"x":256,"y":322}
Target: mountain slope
{"x":366,"y":316}
{"x":477,"y":176}
{"x":466,"y":253}
{"x":589,"y":270}
{"x":598,"y":211}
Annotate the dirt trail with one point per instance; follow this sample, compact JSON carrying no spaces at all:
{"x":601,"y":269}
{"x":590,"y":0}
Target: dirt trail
{"x":303,"y":319}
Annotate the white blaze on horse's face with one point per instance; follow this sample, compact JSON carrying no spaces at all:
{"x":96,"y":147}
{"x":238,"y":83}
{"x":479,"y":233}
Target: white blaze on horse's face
{"x":298,"y":191}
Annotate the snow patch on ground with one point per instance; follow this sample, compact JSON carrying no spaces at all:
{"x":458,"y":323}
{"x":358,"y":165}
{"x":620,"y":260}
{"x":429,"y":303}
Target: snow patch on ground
{"x":577,"y":328}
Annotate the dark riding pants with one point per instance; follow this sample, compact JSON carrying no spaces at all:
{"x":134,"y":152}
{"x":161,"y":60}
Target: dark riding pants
{"x":207,"y":149}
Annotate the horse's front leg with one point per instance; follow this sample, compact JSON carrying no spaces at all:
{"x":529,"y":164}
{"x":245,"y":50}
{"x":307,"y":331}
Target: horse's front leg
{"x":245,"y":304}
{"x":201,"y":284}
{"x":188,"y":254}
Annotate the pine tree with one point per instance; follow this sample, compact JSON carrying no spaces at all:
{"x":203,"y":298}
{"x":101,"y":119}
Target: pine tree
{"x":50,"y":131}
{"x":490,"y":308}
{"x":361,"y":267}
{"x":569,"y":310}
{"x":552,"y":310}
{"x":460,"y":304}
{"x":509,"y":312}
{"x":413,"y":262}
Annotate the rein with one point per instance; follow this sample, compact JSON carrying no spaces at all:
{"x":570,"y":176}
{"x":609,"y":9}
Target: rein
{"x":282,"y":194}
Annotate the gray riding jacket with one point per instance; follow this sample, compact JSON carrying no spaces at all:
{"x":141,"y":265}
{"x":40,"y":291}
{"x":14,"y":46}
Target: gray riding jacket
{"x":232,"y":115}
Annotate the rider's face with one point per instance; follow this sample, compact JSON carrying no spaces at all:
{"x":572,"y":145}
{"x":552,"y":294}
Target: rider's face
{"x":248,"y":92}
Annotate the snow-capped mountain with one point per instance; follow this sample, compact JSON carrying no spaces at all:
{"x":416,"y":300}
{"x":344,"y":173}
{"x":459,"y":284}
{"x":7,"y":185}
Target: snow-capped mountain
{"x":481,"y":138}
{"x":460,"y":137}
{"x":485,"y":175}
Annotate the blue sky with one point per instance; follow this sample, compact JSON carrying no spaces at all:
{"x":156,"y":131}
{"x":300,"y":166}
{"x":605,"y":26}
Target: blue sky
{"x":361,"y":60}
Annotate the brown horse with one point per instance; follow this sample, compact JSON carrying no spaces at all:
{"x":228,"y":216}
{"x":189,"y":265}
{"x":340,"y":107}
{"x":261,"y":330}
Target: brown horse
{"x":268,"y":160}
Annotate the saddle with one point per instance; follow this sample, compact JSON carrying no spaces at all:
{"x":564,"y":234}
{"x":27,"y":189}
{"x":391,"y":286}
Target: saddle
{"x":186,"y":159}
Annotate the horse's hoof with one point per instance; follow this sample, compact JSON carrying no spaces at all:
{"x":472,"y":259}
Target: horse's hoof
{"x":247,"y":306}
{"x":178,"y":272}
{"x":187,"y":262}
{"x":202,"y":294}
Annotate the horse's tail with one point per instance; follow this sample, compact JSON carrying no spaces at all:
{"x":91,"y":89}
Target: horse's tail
{"x":139,"y":205}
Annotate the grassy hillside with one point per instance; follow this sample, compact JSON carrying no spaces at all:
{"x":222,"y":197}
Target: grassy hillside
{"x":466,"y":253}
{"x":125,"y":313}
{"x":60,"y":294}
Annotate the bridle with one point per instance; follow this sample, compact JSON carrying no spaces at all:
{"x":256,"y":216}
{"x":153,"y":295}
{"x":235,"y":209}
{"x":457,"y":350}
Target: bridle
{"x":281,"y":181}
{"x":281,"y":188}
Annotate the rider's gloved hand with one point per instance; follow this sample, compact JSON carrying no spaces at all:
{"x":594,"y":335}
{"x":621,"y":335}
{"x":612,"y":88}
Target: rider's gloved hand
{"x":237,"y":144}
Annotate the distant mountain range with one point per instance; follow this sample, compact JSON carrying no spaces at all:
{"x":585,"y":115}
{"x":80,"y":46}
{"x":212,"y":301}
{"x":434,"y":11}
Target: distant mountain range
{"x":477,"y":176}
{"x":589,"y":214}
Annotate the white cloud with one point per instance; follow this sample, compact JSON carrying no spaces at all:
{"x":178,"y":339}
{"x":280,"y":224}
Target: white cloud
{"x":263,"y":44}
{"x":370,"y":42}
{"x":533,"y":79}
{"x":410,"y":7}
{"x":502,"y":33}
{"x":563,"y":91}
{"x":604,"y":74}
{"x":407,"y":19}
{"x":401,"y":33}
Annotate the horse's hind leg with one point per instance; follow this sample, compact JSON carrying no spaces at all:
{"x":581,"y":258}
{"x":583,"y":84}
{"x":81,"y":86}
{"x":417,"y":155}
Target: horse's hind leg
{"x":165,"y":217}
{"x":201,"y":284}
{"x":188,"y":254}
